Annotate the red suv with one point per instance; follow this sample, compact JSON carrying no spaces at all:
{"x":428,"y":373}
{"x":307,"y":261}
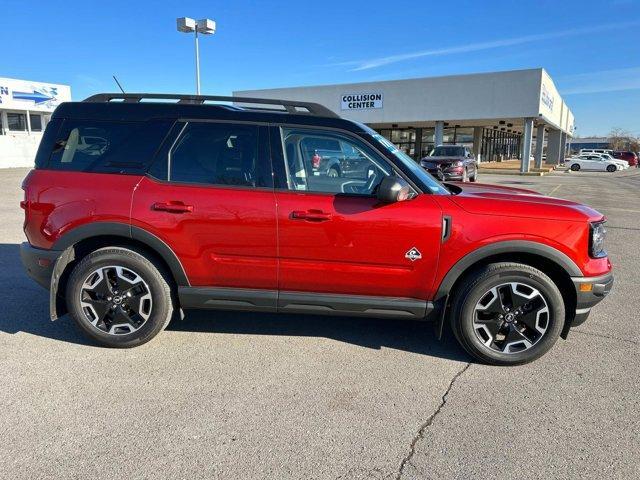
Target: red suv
{"x":137,"y":209}
{"x":630,"y":157}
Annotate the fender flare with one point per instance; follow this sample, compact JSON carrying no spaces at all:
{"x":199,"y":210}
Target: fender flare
{"x":125,"y":230}
{"x":68,"y":240}
{"x":509,"y":246}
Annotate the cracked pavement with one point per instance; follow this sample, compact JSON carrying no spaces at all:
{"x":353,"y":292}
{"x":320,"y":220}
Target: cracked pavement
{"x":239,"y":395}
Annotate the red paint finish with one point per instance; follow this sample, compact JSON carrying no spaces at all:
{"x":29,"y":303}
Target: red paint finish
{"x":300,"y":241}
{"x":59,"y":201}
{"x":356,"y":245}
{"x":485,"y":214}
{"x":224,"y":236}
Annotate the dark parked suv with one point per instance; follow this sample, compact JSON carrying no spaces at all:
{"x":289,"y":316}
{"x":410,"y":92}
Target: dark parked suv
{"x":139,"y":207}
{"x":451,"y":162}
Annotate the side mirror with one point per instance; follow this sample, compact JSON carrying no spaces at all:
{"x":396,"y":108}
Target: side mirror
{"x":393,"y":189}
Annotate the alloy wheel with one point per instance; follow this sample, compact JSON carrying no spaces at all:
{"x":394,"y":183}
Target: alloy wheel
{"x":116,"y":300}
{"x":511,"y":317}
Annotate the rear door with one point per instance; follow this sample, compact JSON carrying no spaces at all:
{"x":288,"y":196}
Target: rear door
{"x":336,"y":237}
{"x":210,"y":198}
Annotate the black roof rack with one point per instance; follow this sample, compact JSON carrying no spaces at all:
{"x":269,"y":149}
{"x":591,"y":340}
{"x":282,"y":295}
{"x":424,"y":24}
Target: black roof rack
{"x":288,"y":106}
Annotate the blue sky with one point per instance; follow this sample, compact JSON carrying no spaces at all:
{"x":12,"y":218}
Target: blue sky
{"x":591,"y":49}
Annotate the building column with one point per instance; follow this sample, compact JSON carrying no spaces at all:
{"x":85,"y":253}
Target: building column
{"x":418,"y":145}
{"x":563,"y":146}
{"x":28,"y":115}
{"x":438,"y":134}
{"x":539,"y":146}
{"x":553,"y":147}
{"x":526,"y":145}
{"x":477,"y":143}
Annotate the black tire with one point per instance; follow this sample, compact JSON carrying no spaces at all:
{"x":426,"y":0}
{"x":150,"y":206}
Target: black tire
{"x":474,"y":178}
{"x":611,"y":168}
{"x":156,"y":289}
{"x":333,"y":172}
{"x":465,"y":176}
{"x":575,"y":167}
{"x":475,"y":289}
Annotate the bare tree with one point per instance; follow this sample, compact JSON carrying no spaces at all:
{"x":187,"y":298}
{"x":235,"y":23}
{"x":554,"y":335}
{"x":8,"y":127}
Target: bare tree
{"x":620,"y":139}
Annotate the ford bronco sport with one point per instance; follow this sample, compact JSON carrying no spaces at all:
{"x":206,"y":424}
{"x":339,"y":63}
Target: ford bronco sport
{"x":143,"y":205}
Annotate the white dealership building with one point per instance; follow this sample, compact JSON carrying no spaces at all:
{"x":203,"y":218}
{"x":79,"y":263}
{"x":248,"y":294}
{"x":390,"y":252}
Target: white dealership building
{"x":25,"y":109}
{"x":500,"y":115}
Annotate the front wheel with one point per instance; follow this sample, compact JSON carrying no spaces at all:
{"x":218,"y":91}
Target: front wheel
{"x":611,"y":168}
{"x":118,"y":297}
{"x":474,"y":178}
{"x":507,"y":314}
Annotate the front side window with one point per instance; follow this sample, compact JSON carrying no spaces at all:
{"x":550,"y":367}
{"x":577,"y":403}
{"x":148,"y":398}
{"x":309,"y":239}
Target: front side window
{"x":218,"y":154}
{"x":430,"y":183}
{"x":327,"y":162}
{"x":17,"y":122}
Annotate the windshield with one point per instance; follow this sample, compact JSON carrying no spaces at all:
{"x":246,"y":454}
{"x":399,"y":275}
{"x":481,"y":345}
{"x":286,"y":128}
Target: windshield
{"x":431,"y":183}
{"x":447,"y":152}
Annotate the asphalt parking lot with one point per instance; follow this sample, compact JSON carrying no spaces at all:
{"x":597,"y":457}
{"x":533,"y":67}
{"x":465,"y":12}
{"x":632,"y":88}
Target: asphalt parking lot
{"x":230,"y":395}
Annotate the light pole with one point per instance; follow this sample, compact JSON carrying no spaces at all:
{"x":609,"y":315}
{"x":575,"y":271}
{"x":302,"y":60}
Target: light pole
{"x":204,"y":26}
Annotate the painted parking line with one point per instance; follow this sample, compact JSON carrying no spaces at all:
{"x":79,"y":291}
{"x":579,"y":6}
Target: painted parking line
{"x":554,"y":190}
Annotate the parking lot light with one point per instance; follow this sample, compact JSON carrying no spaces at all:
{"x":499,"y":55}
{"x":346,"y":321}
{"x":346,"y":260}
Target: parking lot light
{"x":204,"y":26}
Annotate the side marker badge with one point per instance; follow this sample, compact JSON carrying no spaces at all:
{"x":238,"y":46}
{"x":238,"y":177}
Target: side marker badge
{"x":413,"y":254}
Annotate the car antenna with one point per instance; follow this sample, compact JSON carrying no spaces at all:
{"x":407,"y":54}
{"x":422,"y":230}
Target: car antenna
{"x":118,"y":83}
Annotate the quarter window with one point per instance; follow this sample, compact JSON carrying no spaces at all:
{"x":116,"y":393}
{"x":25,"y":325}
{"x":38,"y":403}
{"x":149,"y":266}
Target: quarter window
{"x":107,"y":146}
{"x":319,"y":161}
{"x":218,"y":154}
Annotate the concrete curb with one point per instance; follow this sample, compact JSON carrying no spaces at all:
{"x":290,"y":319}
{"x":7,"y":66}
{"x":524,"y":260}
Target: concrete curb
{"x":489,"y":171}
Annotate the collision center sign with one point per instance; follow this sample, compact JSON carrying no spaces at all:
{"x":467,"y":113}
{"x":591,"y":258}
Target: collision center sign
{"x":361,"y":101}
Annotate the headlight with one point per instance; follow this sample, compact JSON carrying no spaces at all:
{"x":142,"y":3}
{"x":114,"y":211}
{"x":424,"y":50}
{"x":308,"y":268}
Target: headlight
{"x":596,"y":242}
{"x":459,"y":163}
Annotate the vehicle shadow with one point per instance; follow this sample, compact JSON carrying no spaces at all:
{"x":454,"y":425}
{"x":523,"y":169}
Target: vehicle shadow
{"x":24,"y":307}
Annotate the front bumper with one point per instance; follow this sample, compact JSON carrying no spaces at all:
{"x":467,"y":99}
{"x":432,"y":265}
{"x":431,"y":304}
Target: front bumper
{"x":589,"y":292}
{"x":443,"y":175}
{"x":39,"y":263}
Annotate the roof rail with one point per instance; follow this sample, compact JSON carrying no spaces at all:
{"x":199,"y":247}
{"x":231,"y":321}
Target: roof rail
{"x":288,"y":106}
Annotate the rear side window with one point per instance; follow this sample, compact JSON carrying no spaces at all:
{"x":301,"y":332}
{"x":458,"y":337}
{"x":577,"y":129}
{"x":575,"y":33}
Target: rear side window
{"x":219,"y":154}
{"x":107,"y":146}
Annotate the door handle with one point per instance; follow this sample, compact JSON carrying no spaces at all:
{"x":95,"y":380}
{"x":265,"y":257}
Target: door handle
{"x":172,"y":207}
{"x":310,"y":215}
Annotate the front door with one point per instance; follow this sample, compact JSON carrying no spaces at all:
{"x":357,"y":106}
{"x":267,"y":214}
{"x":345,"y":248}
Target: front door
{"x":335,"y":236}
{"x":213,"y":204}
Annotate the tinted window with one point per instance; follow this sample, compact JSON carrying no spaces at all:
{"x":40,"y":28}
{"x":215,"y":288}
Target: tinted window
{"x":447,"y":152}
{"x":36,"y":122}
{"x":107,"y":147}
{"x":319,"y":161}
{"x":219,"y":154}
{"x":17,"y":122}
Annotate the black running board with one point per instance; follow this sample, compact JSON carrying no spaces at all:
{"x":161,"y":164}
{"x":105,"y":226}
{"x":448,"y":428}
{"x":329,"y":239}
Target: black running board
{"x":303,"y":302}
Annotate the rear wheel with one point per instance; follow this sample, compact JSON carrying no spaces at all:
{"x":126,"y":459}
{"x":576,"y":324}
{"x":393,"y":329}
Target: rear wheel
{"x":507,"y":314}
{"x":575,"y":167}
{"x":333,"y":172}
{"x":119,"y":298}
{"x":611,"y":168}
